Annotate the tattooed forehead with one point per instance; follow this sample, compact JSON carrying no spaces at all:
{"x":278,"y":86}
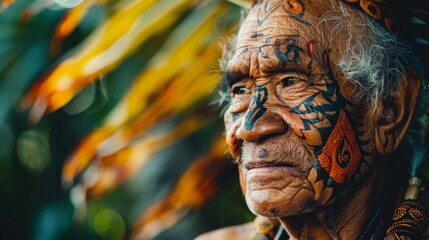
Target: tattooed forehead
{"x":277,"y":54}
{"x":276,"y":36}
{"x":278,"y":16}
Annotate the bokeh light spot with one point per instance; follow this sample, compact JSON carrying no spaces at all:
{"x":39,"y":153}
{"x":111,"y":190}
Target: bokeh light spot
{"x":33,"y":151}
{"x":109,"y":224}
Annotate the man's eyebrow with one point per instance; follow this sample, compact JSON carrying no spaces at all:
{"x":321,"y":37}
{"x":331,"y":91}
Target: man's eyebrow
{"x":229,"y":78}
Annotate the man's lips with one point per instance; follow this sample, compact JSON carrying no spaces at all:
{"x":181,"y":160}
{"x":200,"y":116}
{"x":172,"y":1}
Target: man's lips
{"x":251,"y":164}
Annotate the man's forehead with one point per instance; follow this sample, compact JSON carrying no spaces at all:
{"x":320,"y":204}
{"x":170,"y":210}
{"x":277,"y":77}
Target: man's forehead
{"x":271,"y":33}
{"x":272,"y":54}
{"x":274,"y":16}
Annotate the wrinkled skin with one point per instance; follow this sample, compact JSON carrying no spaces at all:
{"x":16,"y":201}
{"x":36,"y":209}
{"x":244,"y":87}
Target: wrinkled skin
{"x":299,"y":136}
{"x":290,"y":118}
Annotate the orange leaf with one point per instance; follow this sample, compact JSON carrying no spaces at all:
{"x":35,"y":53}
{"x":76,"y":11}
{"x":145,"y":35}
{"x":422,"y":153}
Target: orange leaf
{"x":195,"y":186}
{"x":121,"y":166}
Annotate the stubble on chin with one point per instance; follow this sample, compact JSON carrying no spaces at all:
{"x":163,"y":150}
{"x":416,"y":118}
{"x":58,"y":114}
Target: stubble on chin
{"x":280,"y":191}
{"x":289,"y":201}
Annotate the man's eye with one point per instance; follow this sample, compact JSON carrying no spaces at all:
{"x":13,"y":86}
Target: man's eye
{"x":289,"y":81}
{"x":239,"y":90}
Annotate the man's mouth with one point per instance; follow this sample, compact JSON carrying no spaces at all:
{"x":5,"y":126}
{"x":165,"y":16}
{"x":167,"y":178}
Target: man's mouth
{"x":267,"y":164}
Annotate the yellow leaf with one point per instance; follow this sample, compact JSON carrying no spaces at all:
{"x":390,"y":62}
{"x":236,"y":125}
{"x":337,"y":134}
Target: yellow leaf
{"x":123,"y":165}
{"x":109,"y":45}
{"x":176,"y":69}
{"x":68,"y":23}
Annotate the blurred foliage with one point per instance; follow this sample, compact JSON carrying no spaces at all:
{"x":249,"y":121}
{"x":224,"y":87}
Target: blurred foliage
{"x":109,"y":120}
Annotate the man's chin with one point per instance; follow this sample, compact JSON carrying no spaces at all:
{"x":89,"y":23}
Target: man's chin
{"x":280,"y":203}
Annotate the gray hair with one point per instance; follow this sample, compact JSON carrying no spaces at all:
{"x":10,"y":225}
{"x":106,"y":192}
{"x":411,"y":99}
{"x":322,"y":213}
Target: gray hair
{"x":376,"y":60}
{"x":372,"y":58}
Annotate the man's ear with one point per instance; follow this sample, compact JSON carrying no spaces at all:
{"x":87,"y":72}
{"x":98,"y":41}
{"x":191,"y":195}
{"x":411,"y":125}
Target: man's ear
{"x":397,"y":114}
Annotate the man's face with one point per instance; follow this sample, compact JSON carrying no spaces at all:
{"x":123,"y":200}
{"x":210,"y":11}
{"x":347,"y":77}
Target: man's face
{"x":292,"y":123}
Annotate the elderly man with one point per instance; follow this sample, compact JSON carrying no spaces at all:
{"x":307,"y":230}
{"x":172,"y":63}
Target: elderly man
{"x":322,"y":96}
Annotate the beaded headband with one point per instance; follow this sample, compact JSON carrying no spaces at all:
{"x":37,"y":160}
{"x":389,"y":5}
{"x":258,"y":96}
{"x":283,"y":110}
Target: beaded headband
{"x":377,"y":10}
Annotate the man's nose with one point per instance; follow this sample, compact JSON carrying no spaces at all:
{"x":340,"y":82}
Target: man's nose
{"x":266,"y":126}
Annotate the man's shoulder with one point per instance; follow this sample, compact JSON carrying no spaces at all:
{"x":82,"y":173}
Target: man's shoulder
{"x":238,"y":232}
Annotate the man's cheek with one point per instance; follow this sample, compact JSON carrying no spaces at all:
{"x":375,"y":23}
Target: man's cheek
{"x":341,"y":155}
{"x":323,"y":126}
{"x":309,"y":136}
{"x":337,"y":161}
{"x":232,"y":123}
{"x":228,"y":119}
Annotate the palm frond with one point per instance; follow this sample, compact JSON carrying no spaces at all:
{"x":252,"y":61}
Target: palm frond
{"x":174,"y":88}
{"x":113,"y":41}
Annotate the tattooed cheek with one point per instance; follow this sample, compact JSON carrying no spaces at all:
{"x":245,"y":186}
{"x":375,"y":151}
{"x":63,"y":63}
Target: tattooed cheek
{"x":341,"y":155}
